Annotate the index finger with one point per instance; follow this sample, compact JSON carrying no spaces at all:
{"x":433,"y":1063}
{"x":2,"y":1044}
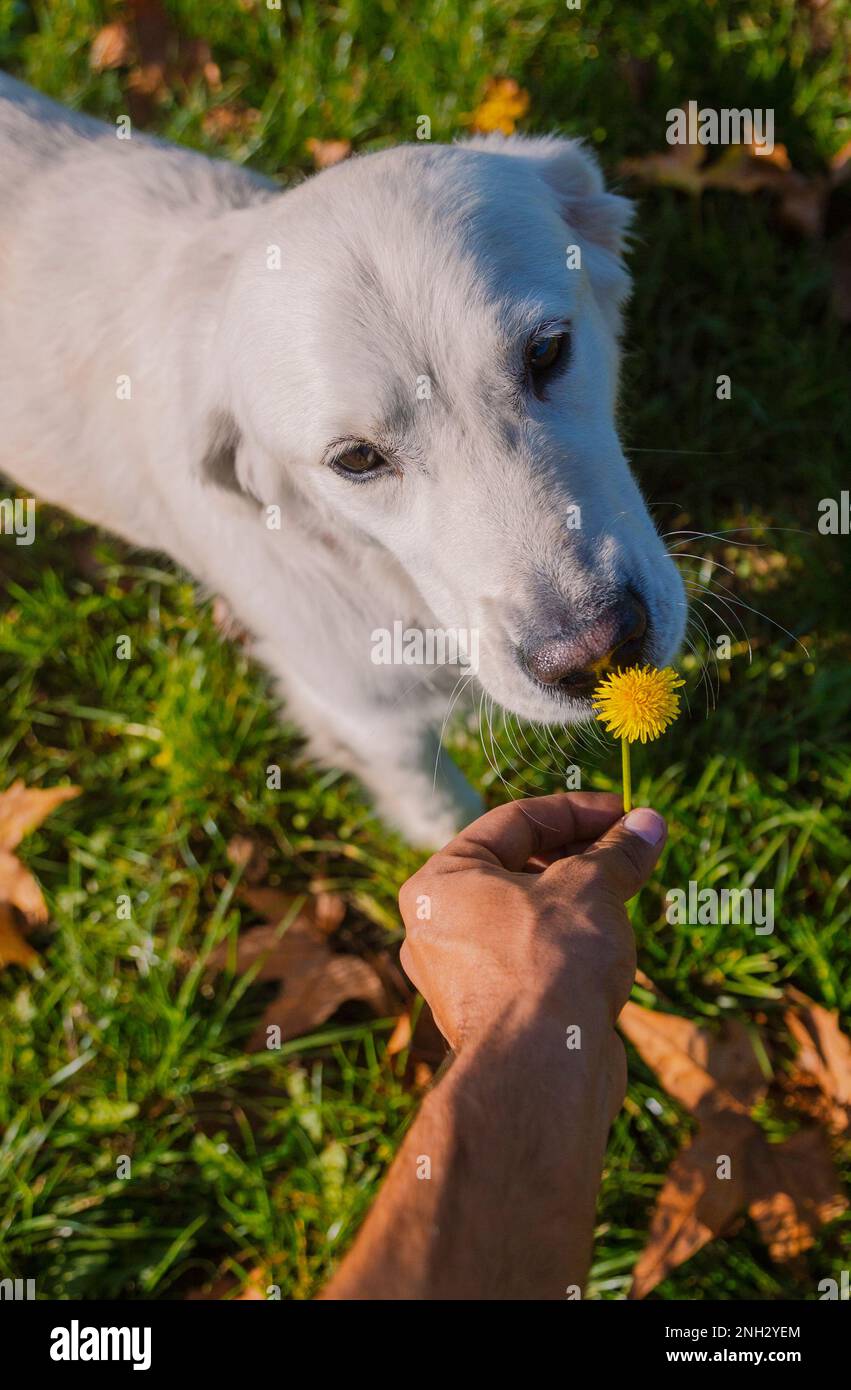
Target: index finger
{"x":512,"y":834}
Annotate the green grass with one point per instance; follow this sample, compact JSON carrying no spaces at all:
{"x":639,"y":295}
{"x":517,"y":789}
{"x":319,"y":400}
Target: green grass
{"x":119,"y":1047}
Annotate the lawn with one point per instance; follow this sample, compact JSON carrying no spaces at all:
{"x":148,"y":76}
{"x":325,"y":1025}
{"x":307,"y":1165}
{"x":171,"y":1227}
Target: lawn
{"x":118,"y":1044}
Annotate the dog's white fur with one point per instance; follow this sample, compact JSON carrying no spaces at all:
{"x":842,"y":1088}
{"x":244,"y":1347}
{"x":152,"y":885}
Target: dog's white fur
{"x":133,"y":258}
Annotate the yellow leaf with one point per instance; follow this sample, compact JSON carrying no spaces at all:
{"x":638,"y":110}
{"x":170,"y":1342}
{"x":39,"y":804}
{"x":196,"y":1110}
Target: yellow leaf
{"x":505,"y":102}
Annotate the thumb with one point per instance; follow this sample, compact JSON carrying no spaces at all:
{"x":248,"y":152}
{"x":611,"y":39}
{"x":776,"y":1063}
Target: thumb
{"x":623,"y":859}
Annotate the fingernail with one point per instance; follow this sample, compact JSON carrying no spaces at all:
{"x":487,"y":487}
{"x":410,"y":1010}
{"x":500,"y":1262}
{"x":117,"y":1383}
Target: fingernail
{"x":647,"y":824}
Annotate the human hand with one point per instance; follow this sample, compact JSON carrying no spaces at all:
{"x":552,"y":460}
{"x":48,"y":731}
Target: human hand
{"x":521,"y":919}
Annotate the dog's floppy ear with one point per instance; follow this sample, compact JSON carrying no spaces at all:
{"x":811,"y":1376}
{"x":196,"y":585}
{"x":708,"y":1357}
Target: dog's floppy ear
{"x":573,"y":174}
{"x":223,"y":463}
{"x":600,"y":219}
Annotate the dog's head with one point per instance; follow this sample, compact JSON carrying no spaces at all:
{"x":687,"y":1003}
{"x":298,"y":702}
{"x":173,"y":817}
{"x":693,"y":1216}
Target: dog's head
{"x":424,"y":343}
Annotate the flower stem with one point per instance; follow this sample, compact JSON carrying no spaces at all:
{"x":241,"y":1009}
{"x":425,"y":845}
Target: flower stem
{"x":627,"y":776}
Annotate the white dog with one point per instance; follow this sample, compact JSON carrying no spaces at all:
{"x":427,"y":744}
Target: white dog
{"x":385,"y":396}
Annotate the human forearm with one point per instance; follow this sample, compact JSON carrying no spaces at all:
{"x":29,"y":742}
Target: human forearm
{"x":517,"y":937}
{"x":493,"y":1192}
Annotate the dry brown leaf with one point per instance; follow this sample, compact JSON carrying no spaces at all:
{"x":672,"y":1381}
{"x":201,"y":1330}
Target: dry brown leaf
{"x":824,"y":1051}
{"x":700,"y":1069}
{"x":789,"y":1189}
{"x":326,"y":153}
{"x":695,"y":1204}
{"x":14,"y":950}
{"x":793,"y":1189}
{"x":505,"y":102}
{"x":315,"y":980}
{"x":678,"y":167}
{"x":325,"y":910}
{"x":22,"y":810}
{"x":112,"y":47}
{"x":19,"y":889}
{"x":802,"y":200}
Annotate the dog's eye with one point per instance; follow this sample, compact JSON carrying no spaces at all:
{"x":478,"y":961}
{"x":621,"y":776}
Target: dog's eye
{"x":359,"y":461}
{"x":543,"y":354}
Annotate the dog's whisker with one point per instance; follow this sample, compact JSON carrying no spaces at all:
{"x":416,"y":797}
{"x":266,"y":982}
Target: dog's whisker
{"x":735,"y":530}
{"x":461,"y":685}
{"x":705,"y":670}
{"x":703,"y":559}
{"x":696,"y":586}
{"x":740,"y":603}
{"x":712,"y":691}
{"x":716,"y":614}
{"x":490,"y":757}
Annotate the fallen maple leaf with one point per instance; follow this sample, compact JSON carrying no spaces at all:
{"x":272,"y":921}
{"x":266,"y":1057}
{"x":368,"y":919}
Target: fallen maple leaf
{"x":701,"y":1070}
{"x":505,"y":102}
{"x":793,"y":1189}
{"x":678,"y":167}
{"x":803,"y":201}
{"x":824,"y":1051}
{"x":788,"y":1189}
{"x":695,"y":1205}
{"x":315,"y":980}
{"x":22,"y":810}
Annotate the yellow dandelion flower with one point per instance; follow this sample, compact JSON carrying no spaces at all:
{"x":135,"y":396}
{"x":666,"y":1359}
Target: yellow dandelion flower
{"x":638,"y":703}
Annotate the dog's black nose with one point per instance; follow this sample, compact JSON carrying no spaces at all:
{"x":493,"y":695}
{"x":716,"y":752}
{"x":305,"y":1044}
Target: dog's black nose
{"x":573,"y":664}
